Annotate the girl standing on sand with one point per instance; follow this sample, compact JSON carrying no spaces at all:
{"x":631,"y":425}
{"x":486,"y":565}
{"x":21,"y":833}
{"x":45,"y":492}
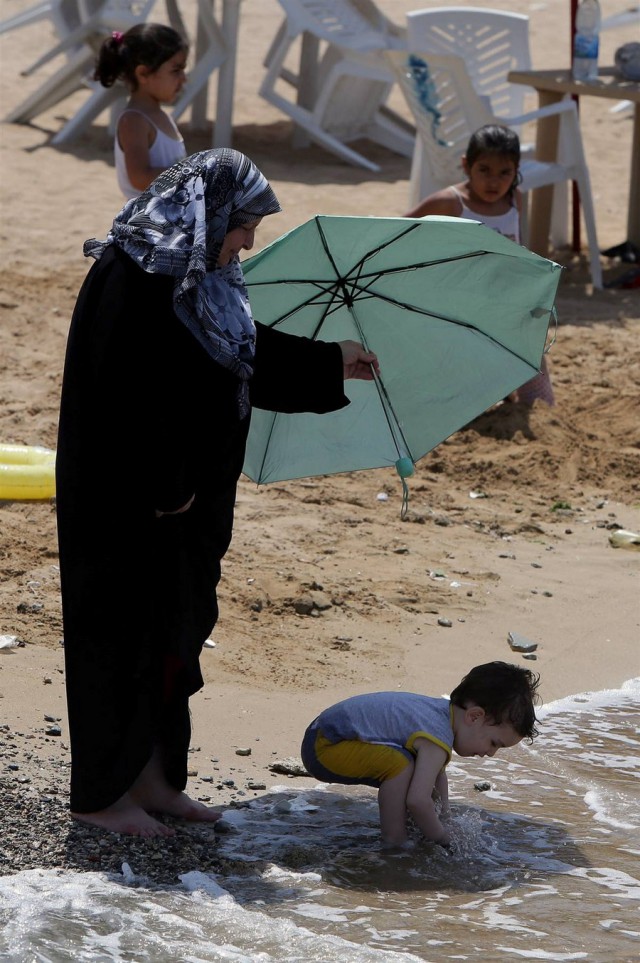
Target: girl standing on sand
{"x":151,"y":59}
{"x":490,"y":195}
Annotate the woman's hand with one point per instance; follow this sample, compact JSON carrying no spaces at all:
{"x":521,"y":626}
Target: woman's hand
{"x":357,"y":362}
{"x":178,"y":511}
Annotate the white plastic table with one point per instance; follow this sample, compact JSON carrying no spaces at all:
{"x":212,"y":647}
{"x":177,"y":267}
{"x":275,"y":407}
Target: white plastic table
{"x":553,"y":85}
{"x":229,"y":24}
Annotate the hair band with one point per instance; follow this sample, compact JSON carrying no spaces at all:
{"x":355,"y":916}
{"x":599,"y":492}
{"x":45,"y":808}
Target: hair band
{"x":117,"y":36}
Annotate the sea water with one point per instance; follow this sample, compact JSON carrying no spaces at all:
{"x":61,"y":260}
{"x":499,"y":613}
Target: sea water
{"x":545,"y":866}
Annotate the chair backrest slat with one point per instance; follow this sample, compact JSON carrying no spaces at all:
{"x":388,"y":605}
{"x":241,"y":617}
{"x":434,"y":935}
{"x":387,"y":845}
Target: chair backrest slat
{"x":491,"y":43}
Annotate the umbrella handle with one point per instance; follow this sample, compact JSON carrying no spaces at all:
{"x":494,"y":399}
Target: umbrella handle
{"x":549,"y":346}
{"x":405,"y":468}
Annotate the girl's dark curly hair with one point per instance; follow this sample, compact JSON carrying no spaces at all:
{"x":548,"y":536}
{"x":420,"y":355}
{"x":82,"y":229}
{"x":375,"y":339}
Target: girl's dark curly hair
{"x":507,"y":693}
{"x":146,"y":44}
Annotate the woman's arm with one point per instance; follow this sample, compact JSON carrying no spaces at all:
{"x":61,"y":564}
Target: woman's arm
{"x":294,"y":374}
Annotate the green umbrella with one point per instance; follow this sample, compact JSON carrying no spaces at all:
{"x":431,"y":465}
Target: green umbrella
{"x":456,"y":313}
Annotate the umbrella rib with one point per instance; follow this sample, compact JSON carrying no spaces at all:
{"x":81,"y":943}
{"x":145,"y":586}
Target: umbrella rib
{"x":314,"y":299}
{"x":384,"y":397}
{"x":373,"y":275}
{"x":401,"y":269}
{"x":356,"y":270}
{"x":441,"y":317}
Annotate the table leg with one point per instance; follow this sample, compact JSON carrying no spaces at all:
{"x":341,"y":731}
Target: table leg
{"x":223,"y":125}
{"x":199,"y":102}
{"x":307,"y":83}
{"x":633,"y":221}
{"x":542,"y":199}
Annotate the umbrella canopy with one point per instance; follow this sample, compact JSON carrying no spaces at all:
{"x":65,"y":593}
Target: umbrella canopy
{"x":456,"y":313}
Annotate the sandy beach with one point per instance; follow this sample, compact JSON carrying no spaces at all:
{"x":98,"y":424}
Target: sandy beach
{"x":531,"y":555}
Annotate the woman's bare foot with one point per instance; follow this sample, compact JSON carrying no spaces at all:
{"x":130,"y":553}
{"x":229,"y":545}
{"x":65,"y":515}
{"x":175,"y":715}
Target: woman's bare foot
{"x":152,"y":793}
{"x":169,"y":801}
{"x":128,"y":817}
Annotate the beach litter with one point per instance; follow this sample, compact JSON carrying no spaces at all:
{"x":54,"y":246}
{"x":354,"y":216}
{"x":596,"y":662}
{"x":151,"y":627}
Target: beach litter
{"x":520,"y":643}
{"x":26,"y":472}
{"x":288,"y":767}
{"x":625,"y":539}
{"x":10,"y":642}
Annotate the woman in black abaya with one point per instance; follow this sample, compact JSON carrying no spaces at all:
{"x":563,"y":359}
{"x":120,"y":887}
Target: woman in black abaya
{"x":163,"y":364}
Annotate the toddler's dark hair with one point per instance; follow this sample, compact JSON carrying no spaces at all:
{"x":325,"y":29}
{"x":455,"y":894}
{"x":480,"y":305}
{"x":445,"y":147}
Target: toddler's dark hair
{"x":146,"y":44}
{"x":507,"y":693}
{"x":495,"y":139}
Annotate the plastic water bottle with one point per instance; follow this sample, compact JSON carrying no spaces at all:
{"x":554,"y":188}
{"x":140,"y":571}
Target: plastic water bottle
{"x":586,"y":41}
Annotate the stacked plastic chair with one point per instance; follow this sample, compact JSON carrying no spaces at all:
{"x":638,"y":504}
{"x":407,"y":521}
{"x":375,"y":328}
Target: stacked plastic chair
{"x":338,"y":95}
{"x":447,"y":110}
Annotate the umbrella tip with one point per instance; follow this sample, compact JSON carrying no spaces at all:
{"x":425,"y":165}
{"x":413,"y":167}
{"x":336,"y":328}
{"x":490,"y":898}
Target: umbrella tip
{"x":405,"y":467}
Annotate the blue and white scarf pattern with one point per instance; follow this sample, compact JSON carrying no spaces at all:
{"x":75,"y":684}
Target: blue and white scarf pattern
{"x":177,"y":227}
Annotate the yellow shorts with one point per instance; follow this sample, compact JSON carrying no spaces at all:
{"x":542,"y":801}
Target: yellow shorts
{"x":352,"y":762}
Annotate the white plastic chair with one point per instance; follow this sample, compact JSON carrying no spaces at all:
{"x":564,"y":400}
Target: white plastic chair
{"x":211,"y":53}
{"x":491,"y":43}
{"x":340,"y":96}
{"x":80,"y":45}
{"x":447,"y":110}
{"x":64,"y":14}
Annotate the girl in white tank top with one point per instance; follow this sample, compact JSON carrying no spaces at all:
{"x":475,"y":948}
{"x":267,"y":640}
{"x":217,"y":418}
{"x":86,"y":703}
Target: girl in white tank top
{"x":150,"y":58}
{"x":490,"y":195}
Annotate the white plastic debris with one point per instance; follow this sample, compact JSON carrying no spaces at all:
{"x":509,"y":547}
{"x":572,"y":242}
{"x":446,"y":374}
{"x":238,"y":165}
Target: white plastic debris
{"x":520,"y":643}
{"x":382,"y":497}
{"x":9,"y":642}
{"x":624,"y":539}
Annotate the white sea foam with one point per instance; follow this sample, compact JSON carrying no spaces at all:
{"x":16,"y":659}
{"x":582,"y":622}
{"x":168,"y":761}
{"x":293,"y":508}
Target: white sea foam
{"x":102,"y":920}
{"x":626,"y":887}
{"x":629,"y":691}
{"x":597,"y":802}
{"x":540,"y":954}
{"x":545,"y":860}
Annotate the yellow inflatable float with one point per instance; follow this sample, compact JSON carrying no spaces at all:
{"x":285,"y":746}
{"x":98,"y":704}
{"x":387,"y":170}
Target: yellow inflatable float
{"x":26,"y":473}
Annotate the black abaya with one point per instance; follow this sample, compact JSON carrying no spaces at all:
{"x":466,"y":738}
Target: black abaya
{"x":148,"y":419}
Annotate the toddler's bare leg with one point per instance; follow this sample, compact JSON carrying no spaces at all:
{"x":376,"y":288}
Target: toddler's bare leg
{"x":392,"y":803}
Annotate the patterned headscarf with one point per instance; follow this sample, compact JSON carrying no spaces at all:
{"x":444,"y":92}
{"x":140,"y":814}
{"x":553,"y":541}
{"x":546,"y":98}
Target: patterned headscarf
{"x":177,"y":227}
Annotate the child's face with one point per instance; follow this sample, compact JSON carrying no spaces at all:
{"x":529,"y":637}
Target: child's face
{"x":239,"y":239}
{"x":490,"y":176}
{"x":165,"y":83}
{"x":477,"y":734}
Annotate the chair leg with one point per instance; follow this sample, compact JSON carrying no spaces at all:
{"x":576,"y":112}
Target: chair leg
{"x":586,"y":202}
{"x":303,"y":118}
{"x":560,"y":215}
{"x":198,"y":79}
{"x":98,"y":101}
{"x":394,"y":136}
{"x":32,"y":15}
{"x":69,"y":78}
{"x":524,"y":220}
